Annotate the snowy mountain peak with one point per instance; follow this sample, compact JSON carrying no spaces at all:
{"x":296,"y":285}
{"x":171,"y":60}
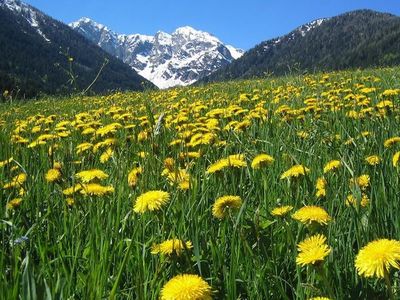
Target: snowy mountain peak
{"x":167,"y":60}
{"x":30,"y":14}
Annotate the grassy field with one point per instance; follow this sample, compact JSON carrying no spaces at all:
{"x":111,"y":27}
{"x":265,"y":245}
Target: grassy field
{"x":65,"y":234}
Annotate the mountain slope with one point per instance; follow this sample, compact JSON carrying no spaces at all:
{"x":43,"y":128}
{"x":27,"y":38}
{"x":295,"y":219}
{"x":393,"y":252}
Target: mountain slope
{"x":167,"y":60}
{"x":357,"y":39}
{"x":35,"y":56}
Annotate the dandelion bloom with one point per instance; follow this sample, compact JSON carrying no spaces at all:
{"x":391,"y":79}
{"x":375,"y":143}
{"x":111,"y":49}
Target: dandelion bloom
{"x":223,"y":204}
{"x":14,"y":203}
{"x":173,"y":246}
{"x":295,"y":171}
{"x":375,"y":259}
{"x":17,"y":181}
{"x":320,"y":298}
{"x":333,"y":165}
{"x":373,"y":160}
{"x":94,"y":189}
{"x":73,"y":189}
{"x":281,"y":211}
{"x":133,"y":176}
{"x":152,"y":200}
{"x":396,"y":159}
{"x":312,"y":250}
{"x":362,"y":181}
{"x":53,"y":175}
{"x":180,"y":177}
{"x":262,"y":160}
{"x":352,"y":201}
{"x":235,"y":160}
{"x":5,"y":162}
{"x":321,"y":187}
{"x":390,"y":142}
{"x":186,"y":287}
{"x":106,"y":155}
{"x":89,"y":175}
{"x":310,"y":214}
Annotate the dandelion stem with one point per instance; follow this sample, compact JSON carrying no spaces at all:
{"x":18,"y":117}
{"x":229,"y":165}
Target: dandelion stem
{"x":388,"y":285}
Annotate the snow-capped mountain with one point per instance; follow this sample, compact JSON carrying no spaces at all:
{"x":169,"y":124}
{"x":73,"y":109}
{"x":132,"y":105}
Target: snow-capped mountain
{"x":167,"y":60}
{"x":35,"y":51}
{"x":30,"y":14}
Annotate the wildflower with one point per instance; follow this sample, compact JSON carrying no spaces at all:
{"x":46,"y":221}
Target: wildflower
{"x":6,"y":162}
{"x":14,"y":203}
{"x":376,"y":258}
{"x":390,"y":142}
{"x":295,"y":172}
{"x":152,"y":200}
{"x":17,"y":181}
{"x":320,"y":298}
{"x":173,"y":246}
{"x":321,"y":187}
{"x":169,"y":163}
{"x":71,"y":190}
{"x":133,"y":176}
{"x":94,"y":189}
{"x":236,"y":161}
{"x":309,"y":214}
{"x":362,"y":181}
{"x":312,"y":250}
{"x":70,"y":201}
{"x":373,"y":160}
{"x":180,"y":177}
{"x":106,"y":155}
{"x":396,"y":159}
{"x":261,"y":160}
{"x":281,"y":211}
{"x":185,"y":287}
{"x":333,"y":165}
{"x":89,"y":175}
{"x":83,"y":147}
{"x":352,"y":201}
{"x":53,"y":175}
{"x":223,"y":204}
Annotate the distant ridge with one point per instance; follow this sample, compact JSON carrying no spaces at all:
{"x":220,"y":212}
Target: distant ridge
{"x":36,"y":52}
{"x":357,"y":39}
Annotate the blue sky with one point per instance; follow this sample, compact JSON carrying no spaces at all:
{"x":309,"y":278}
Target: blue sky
{"x":240,"y":23}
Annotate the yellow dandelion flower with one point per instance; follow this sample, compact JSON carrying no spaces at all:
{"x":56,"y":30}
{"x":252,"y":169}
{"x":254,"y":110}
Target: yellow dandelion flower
{"x":180,"y":177}
{"x":70,"y":201}
{"x":6,"y":162}
{"x":89,"y":175}
{"x":94,"y":189}
{"x":169,"y":163}
{"x":150,"y":201}
{"x":281,"y":211}
{"x":362,"y":181}
{"x":218,"y":166}
{"x":223,"y":204}
{"x":262,"y":160}
{"x":73,"y":189}
{"x":105,"y":157}
{"x":310,"y":214}
{"x":235,"y":160}
{"x":351,"y":200}
{"x":333,"y":165}
{"x":133,"y":176}
{"x":396,"y":159}
{"x":186,"y":287}
{"x":312,"y":250}
{"x":53,"y":175}
{"x":83,"y":147}
{"x":14,"y":203}
{"x":321,"y":187}
{"x":295,"y":171}
{"x":376,"y":258}
{"x":173,"y":246}
{"x":390,"y":142}
{"x":320,"y":298}
{"x":373,"y":160}
{"x":17,"y":181}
